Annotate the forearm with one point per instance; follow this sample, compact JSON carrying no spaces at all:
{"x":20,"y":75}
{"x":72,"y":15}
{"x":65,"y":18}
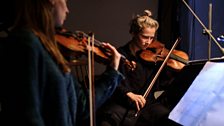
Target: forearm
{"x":106,"y":85}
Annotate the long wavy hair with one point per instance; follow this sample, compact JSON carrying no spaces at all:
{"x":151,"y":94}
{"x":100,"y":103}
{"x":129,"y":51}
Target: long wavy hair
{"x":37,"y":15}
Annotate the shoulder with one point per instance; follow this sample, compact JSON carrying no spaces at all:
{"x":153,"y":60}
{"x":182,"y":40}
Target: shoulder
{"x":124,"y":49}
{"x":23,"y":36}
{"x":123,"y":46}
{"x":24,"y":39}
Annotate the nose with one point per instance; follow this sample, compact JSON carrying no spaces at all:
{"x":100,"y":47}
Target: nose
{"x":67,"y":10}
{"x":149,"y":41}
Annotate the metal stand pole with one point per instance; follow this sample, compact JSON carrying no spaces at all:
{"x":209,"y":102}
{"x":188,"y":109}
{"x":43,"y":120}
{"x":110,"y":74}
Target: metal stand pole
{"x":206,"y":30}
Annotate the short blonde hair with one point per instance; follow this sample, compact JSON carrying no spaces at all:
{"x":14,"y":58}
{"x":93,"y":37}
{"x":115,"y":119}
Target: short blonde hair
{"x":143,"y":21}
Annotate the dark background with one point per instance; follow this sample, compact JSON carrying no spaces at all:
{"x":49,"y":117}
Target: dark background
{"x":109,"y":21}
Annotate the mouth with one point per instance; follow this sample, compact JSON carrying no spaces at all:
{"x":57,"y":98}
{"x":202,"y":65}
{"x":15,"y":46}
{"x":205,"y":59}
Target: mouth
{"x":145,"y":45}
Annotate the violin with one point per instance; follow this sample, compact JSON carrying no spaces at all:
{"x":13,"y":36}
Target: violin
{"x":157,"y":52}
{"x":77,"y":43}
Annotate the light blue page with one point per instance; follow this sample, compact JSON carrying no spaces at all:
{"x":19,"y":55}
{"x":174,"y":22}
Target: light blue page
{"x":203,"y":103}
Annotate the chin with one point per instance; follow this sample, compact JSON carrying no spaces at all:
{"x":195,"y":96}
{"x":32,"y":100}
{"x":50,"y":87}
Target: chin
{"x":144,"y":48}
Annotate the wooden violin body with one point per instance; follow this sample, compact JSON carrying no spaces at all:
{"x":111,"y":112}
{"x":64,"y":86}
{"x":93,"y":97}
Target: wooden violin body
{"x":157,"y":52}
{"x":76,"y":44}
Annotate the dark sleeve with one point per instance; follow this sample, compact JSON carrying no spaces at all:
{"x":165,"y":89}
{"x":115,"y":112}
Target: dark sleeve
{"x":21,"y":92}
{"x":104,"y":88}
{"x":123,"y":88}
{"x":82,"y":110}
{"x":106,"y":85}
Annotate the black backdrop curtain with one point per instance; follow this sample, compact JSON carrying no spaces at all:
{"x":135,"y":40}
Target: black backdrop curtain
{"x":167,"y":17}
{"x":176,"y":20}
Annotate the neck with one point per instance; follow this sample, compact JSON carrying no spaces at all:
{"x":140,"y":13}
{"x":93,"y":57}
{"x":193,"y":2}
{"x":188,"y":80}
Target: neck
{"x":133,"y":47}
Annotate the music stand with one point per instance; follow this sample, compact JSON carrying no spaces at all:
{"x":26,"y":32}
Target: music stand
{"x":184,"y":79}
{"x":182,"y":82}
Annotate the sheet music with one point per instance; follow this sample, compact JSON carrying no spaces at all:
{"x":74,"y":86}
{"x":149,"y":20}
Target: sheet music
{"x":203,"y":103}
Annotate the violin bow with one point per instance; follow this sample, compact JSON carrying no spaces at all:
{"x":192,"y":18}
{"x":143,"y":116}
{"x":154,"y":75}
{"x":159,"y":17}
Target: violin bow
{"x":91,"y":79}
{"x":158,"y":72}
